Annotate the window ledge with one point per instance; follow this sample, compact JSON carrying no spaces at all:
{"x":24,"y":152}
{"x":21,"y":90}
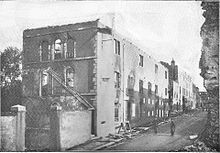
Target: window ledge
{"x":68,"y":59}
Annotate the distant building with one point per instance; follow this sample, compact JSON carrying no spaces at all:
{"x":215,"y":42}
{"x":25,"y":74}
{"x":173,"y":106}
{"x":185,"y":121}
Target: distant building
{"x":185,"y":89}
{"x":180,"y":87}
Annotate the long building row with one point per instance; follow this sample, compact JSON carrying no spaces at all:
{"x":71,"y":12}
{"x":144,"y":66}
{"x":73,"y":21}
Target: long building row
{"x":120,"y":81}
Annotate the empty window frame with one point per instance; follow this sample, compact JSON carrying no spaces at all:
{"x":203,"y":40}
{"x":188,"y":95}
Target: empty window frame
{"x":71,"y":48}
{"x":149,"y":88}
{"x":45,"y":51}
{"x":117,"y":80}
{"x":165,"y":91}
{"x":141,"y":60}
{"x":141,"y":88}
{"x":57,"y":49}
{"x":156,"y":89}
{"x":141,"y":107}
{"x":165,"y":74}
{"x":133,"y":110}
{"x":156,"y":68}
{"x":117,"y":47}
{"x":44,"y":84}
{"x":116,"y":113}
{"x":70,"y":77}
{"x":152,"y":102}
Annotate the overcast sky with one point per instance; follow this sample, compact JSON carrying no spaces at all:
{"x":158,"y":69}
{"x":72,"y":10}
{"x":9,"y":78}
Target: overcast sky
{"x":165,"y":30}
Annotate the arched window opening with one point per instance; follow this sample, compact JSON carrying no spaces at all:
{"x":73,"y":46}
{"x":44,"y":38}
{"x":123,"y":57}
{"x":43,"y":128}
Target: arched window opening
{"x":58,"y":49}
{"x":45,"y":51}
{"x":70,"y":77}
{"x":71,"y":45}
{"x":45,"y":84}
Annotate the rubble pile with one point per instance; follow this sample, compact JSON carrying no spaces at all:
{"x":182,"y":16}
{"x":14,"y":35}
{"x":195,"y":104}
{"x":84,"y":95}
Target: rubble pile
{"x":197,"y":146}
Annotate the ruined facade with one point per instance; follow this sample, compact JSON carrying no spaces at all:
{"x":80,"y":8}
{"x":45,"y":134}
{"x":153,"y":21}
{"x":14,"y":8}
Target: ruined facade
{"x":209,"y":65}
{"x":145,"y":86}
{"x":110,"y":73}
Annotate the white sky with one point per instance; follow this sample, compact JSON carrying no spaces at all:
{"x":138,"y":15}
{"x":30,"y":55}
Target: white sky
{"x":164,"y":29}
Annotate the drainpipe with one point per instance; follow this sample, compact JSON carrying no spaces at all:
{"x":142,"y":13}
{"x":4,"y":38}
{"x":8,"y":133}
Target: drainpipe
{"x":123,"y":83}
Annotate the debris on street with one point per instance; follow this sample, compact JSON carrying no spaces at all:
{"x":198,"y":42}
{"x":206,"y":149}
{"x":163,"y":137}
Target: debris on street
{"x":193,"y":136}
{"x":197,"y":146}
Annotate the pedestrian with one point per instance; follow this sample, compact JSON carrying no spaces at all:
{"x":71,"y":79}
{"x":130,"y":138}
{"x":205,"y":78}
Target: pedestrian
{"x":172,"y":127}
{"x":155,"y":126}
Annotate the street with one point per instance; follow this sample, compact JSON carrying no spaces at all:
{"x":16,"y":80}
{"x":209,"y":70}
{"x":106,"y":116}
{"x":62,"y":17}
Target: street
{"x":186,"y":125}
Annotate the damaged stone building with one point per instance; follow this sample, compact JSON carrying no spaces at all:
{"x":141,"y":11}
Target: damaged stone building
{"x":88,"y":66}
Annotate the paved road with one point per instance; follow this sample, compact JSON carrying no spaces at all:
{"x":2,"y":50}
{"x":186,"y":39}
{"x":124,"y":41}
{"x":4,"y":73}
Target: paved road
{"x":186,"y":125}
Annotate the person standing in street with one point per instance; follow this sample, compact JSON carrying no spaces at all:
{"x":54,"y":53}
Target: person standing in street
{"x":155,"y":126}
{"x":172,"y":127}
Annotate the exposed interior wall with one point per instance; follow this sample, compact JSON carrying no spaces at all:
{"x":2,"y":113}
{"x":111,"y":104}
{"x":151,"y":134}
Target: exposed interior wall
{"x":75,"y":128}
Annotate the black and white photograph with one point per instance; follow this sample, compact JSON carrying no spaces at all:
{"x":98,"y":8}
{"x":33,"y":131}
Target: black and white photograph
{"x":109,"y":76}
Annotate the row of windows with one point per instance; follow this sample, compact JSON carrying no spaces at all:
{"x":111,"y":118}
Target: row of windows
{"x":149,"y":101}
{"x":57,"y":50}
{"x":148,"y":113}
{"x":141,"y":63}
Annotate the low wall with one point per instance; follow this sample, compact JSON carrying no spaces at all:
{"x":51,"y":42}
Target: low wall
{"x":75,"y":128}
{"x":8,"y":133}
{"x":13,"y":130}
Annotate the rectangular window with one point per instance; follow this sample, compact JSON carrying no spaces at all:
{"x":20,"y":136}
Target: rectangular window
{"x":116,"y":114}
{"x":149,"y":88}
{"x":117,"y":47}
{"x":133,"y":110}
{"x":148,"y":100}
{"x":57,"y":49}
{"x":152,"y":102}
{"x":141,"y":89}
{"x":148,"y":113}
{"x":141,"y":60}
{"x":165,"y":91}
{"x":165,"y":74}
{"x":156,"y":89}
{"x":152,"y":113}
{"x":156,"y":68}
{"x":141,"y":107}
{"x":70,"y":48}
{"x":117,"y":80}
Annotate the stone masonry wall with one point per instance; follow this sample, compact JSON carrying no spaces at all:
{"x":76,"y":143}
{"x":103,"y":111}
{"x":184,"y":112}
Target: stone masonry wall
{"x":209,"y":65}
